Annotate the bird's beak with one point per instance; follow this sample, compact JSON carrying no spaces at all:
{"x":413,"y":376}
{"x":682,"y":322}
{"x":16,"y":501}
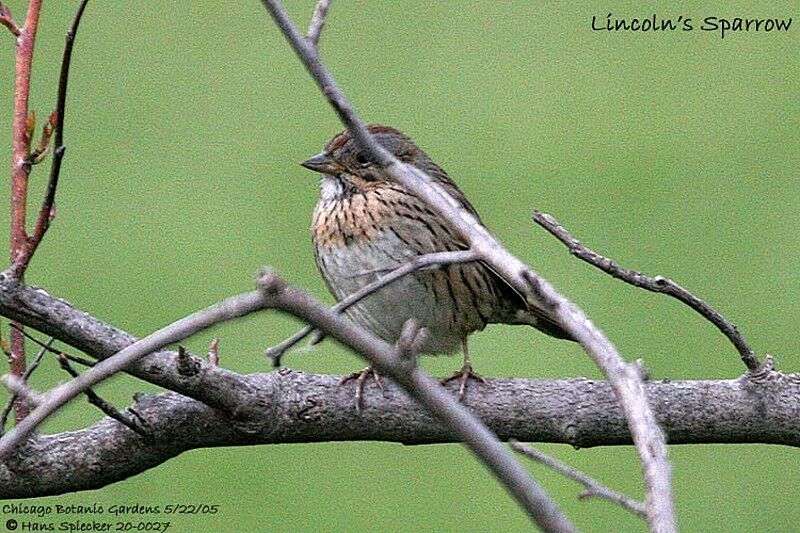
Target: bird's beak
{"x":322,"y":163}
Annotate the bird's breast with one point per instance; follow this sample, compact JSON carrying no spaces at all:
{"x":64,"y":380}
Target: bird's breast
{"x":353,"y":219}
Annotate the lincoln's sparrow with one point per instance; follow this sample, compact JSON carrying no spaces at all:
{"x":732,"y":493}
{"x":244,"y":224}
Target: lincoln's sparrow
{"x":366,"y":225}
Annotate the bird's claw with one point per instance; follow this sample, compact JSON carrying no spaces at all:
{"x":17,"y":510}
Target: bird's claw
{"x":361,"y":379}
{"x":463,"y":376}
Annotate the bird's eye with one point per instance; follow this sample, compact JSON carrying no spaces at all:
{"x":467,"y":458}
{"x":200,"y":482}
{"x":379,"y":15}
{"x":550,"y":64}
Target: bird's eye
{"x":362,"y":159}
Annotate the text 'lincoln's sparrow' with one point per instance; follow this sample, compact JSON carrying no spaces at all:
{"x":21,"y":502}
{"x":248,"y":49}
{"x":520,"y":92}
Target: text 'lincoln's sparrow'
{"x":366,"y":225}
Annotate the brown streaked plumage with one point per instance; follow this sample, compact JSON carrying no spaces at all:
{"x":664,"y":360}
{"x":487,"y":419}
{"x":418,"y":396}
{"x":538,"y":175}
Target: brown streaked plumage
{"x":365,"y":225}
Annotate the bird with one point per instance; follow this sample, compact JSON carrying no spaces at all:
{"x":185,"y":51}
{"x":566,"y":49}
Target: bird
{"x":365,"y":224}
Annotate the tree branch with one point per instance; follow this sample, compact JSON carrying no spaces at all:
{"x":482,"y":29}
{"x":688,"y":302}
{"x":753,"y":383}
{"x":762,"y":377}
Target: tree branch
{"x":20,"y":167}
{"x":592,"y":488}
{"x":275,"y":293}
{"x":28,"y":371}
{"x":655,"y":284}
{"x":47,"y":210}
{"x":317,"y":22}
{"x":760,"y":407}
{"x":391,"y":362}
{"x":217,"y":387}
{"x":301,"y":408}
{"x":7,"y":20}
{"x":54,"y":399}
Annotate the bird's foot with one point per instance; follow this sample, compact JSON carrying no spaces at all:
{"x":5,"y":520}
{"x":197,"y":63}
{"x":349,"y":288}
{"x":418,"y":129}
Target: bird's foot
{"x":463,"y":376}
{"x":361,"y":379}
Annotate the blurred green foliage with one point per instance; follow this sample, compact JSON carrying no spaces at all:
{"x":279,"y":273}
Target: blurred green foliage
{"x":673,"y":152}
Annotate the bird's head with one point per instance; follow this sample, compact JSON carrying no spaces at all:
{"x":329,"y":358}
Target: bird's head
{"x":347,"y":169}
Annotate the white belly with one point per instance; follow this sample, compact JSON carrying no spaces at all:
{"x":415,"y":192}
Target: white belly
{"x":422,"y":296}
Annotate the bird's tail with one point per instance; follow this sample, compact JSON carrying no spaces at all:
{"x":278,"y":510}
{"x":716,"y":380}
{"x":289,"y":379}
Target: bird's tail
{"x":540,"y":320}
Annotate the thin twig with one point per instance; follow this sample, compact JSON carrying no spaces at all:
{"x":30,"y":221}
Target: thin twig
{"x":317,"y":22}
{"x":47,"y":210}
{"x":20,"y":389}
{"x":33,"y":366}
{"x":7,"y":20}
{"x":109,"y":410}
{"x":657,"y":284}
{"x":422,"y":261}
{"x":39,"y":356}
{"x":46,"y":347}
{"x":76,"y":359}
{"x":593,"y":488}
{"x":20,"y":168}
{"x":213,"y":353}
{"x":626,"y":381}
{"x":21,"y":139}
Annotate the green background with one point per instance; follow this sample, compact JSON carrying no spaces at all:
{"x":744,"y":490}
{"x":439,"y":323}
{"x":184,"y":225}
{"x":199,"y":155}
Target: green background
{"x":673,"y":152}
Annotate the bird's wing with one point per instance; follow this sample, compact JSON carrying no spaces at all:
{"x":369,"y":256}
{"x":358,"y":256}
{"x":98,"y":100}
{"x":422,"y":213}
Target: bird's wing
{"x":524,"y":312}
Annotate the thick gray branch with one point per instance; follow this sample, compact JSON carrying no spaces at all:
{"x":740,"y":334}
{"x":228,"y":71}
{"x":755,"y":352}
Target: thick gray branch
{"x":41,"y":311}
{"x":233,"y":307}
{"x":57,"y":318}
{"x":393,"y":362}
{"x":274,"y":292}
{"x":298,"y":407}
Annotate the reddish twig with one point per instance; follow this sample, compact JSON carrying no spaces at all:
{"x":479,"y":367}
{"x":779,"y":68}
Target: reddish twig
{"x":47,"y":210}
{"x":213,"y":353}
{"x":20,"y":167}
{"x":22,"y":245}
{"x":7,"y":20}
{"x":20,"y":136}
{"x":17,"y":367}
{"x":657,"y":284}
